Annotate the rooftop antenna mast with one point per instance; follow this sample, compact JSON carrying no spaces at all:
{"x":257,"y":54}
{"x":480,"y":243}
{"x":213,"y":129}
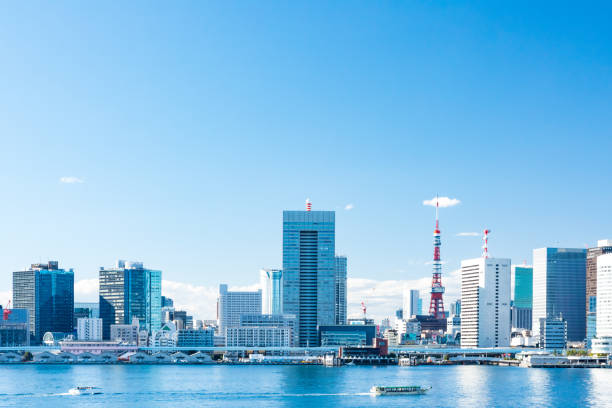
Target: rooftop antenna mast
{"x":485,"y":247}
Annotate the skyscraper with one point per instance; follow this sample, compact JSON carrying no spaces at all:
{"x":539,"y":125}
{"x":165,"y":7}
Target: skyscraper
{"x":411,"y":303}
{"x":485,"y":302}
{"x":309,"y":239}
{"x":129,"y":290}
{"x":559,"y":285}
{"x":341,"y":276}
{"x":231,"y":305}
{"x":47,"y":292}
{"x":522,"y":296}
{"x":603,"y":343}
{"x":271,"y":291}
{"x":604,"y":295}
{"x":604,"y":246}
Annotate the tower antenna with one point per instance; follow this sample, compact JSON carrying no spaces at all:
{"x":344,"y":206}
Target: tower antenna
{"x":436,"y":305}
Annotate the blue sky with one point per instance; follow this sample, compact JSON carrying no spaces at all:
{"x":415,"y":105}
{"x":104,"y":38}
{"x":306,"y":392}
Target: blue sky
{"x":193,"y":125}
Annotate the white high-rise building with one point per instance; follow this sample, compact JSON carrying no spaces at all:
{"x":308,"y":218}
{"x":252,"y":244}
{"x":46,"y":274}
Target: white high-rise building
{"x":411,"y":303}
{"x":485,"y":302}
{"x":603,"y":343}
{"x":604,"y":295}
{"x":271,"y":281}
{"x":232,"y":305}
{"x":89,"y":329}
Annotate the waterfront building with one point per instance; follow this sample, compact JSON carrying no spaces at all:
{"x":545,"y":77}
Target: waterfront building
{"x":559,"y":279}
{"x":54,"y":338}
{"x":271,"y":281}
{"x":127,"y":291}
{"x":194,"y":338}
{"x":340,"y":290}
{"x":411,"y":303}
{"x":553,"y":333}
{"x":233,"y":304}
{"x":285,"y":321}
{"x":309,"y":266}
{"x":164,"y":337}
{"x":347,"y":335}
{"x":485,"y":302}
{"x":99,"y":348}
{"x":89,"y":329}
{"x":258,"y":336}
{"x":604,"y":305}
{"x":85,"y":309}
{"x":47,"y":293}
{"x":126,"y":333}
{"x":15,"y":330}
{"x":604,"y":246}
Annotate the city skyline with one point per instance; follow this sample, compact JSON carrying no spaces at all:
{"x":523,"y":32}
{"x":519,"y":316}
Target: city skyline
{"x":176,"y":138}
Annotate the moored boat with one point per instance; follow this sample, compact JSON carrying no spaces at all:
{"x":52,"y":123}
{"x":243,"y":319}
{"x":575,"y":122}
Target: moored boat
{"x":402,"y":390}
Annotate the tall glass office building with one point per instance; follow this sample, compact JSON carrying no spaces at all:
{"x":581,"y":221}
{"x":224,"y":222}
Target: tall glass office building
{"x":130,"y":291}
{"x":522,"y":296}
{"x":340,"y":302}
{"x":271,"y":291}
{"x":47,"y":293}
{"x":523,"y":286}
{"x":559,"y":285}
{"x":309,"y":265}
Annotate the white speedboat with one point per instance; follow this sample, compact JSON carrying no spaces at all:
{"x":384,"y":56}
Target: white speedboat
{"x":85,"y":391}
{"x":406,"y":390}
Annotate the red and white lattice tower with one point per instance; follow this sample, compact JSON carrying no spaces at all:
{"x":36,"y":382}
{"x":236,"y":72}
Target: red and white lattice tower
{"x":436,"y":305}
{"x":308,"y":205}
{"x":485,"y":247}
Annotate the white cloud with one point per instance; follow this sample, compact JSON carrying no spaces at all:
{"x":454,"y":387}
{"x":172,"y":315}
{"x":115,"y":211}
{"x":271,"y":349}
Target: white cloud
{"x":86,"y":290}
{"x":443,"y":202}
{"x":349,"y":207}
{"x":71,"y":180}
{"x":468,"y":234}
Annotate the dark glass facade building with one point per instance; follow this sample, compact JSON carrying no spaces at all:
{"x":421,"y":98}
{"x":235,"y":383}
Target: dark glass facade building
{"x":47,"y":293}
{"x":130,"y":291}
{"x":309,"y":270}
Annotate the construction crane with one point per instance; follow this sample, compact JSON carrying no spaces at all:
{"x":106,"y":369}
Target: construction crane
{"x":7,"y":312}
